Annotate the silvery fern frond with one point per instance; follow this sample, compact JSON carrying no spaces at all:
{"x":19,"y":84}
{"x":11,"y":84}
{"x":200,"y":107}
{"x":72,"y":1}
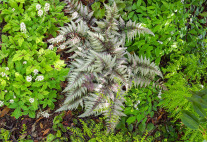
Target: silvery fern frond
{"x":79,"y":12}
{"x":101,"y":65}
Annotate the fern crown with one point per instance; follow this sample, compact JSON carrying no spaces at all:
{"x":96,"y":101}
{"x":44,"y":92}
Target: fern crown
{"x":101,"y":65}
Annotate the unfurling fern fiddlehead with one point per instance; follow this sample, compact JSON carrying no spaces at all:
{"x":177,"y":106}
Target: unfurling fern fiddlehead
{"x":101,"y":65}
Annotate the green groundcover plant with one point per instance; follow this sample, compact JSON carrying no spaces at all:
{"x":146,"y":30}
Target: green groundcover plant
{"x":30,"y":74}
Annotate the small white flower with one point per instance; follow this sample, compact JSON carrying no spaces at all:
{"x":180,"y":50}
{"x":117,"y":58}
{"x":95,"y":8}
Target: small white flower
{"x":74,"y":15}
{"x":176,"y":10}
{"x":39,"y":78}
{"x":13,"y":9}
{"x":201,"y":86}
{"x":23,"y":27}
{"x":25,"y":62}
{"x":31,"y":100}
{"x":35,"y":71}
{"x":38,"y":6}
{"x":1,"y":103}
{"x":47,"y":7}
{"x":51,"y":47}
{"x":29,"y":78}
{"x":40,"y":13}
{"x":7,"y":68}
{"x":11,"y":101}
{"x":62,"y":47}
{"x":5,"y":91}
{"x":14,"y":97}
{"x":138,"y":102}
{"x":3,"y":74}
{"x":59,"y":38}
{"x":45,"y":114}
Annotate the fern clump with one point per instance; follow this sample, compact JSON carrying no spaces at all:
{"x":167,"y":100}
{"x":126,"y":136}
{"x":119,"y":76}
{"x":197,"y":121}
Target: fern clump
{"x":101,"y":67}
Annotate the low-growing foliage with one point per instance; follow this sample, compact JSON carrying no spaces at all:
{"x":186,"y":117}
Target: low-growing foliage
{"x":30,"y":74}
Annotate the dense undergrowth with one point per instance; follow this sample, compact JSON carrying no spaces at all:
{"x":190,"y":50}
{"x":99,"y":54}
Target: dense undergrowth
{"x":33,"y":72}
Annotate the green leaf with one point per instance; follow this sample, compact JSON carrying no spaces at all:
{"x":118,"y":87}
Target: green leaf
{"x":20,"y":41}
{"x":189,"y":119}
{"x":150,"y":126}
{"x":58,"y":134}
{"x":131,"y":14}
{"x":139,"y":3}
{"x":142,"y":127}
{"x":131,"y":119}
{"x":198,"y":109}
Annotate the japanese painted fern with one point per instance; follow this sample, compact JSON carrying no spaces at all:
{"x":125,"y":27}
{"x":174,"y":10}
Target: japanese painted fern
{"x":101,"y":66}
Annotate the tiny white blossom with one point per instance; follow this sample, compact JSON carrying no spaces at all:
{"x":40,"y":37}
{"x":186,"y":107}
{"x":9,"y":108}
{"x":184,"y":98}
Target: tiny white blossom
{"x":31,"y":100}
{"x":59,"y":38}
{"x":1,"y":103}
{"x":138,"y":102}
{"x":47,"y":7}
{"x":25,"y":62}
{"x":14,"y":97}
{"x":51,"y":47}
{"x":29,"y":78}
{"x":201,"y":86}
{"x":35,"y":71}
{"x":62,"y":47}
{"x":39,"y":78}
{"x":13,"y":9}
{"x":45,"y":114}
{"x":3,"y":74}
{"x":40,"y":13}
{"x":7,"y":68}
{"x":11,"y":101}
{"x":23,"y":27}
{"x":5,"y":91}
{"x":38,"y":6}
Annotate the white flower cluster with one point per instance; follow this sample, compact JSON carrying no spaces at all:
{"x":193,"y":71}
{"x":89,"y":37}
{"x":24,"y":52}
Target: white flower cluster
{"x":57,"y":39}
{"x":13,"y":9}
{"x":159,"y":95}
{"x":31,"y":100}
{"x":11,"y":101}
{"x":23,"y":27}
{"x":25,"y":62}
{"x":47,"y":7}
{"x":35,"y":71}
{"x":1,"y":103}
{"x":40,"y":12}
{"x":29,"y":78}
{"x":3,"y":74}
{"x":45,"y":114}
{"x":135,"y":105}
{"x":38,"y":7}
{"x":7,"y":68}
{"x":51,"y":47}
{"x":39,"y":78}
